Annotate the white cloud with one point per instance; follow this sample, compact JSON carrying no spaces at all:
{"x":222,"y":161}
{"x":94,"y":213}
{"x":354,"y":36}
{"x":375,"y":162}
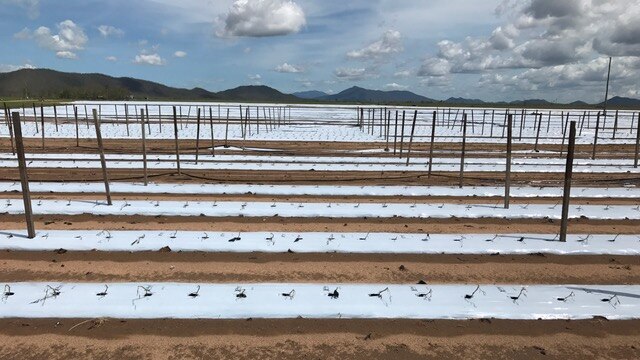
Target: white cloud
{"x":149,"y":59}
{"x":108,"y":30}
{"x":9,"y":68}
{"x":111,"y":58}
{"x":351,"y":73}
{"x":288,"y":68}
{"x":180,"y":54}
{"x":402,"y":74}
{"x":389,"y":43}
{"x":66,"y":55}
{"x":434,"y":67}
{"x":255,"y":77}
{"x":258,"y":18}
{"x":395,"y":86}
{"x":546,"y":44}
{"x":69,"y":39}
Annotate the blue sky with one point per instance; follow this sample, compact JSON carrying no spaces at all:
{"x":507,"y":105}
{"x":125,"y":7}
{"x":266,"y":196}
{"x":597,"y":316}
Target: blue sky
{"x":490,"y":49}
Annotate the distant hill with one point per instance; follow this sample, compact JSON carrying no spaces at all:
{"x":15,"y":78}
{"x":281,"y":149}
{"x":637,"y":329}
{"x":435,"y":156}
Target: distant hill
{"x":623,"y":102}
{"x":255,"y":93}
{"x":51,"y":84}
{"x":578,"y":104}
{"x":531,"y":102}
{"x":310,"y":95}
{"x":358,"y":94}
{"x":458,"y":100}
{"x":44,"y":83}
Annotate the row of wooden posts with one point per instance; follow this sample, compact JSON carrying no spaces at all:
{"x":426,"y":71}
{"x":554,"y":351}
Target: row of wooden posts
{"x":273,"y":118}
{"x":383,"y":121}
{"x":17,"y":127}
{"x":368,"y":124}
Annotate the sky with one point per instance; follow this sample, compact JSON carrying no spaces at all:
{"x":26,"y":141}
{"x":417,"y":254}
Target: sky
{"x":493,"y":50}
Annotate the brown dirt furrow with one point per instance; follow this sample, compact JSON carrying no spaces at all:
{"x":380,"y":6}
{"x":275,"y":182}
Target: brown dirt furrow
{"x":121,"y":146}
{"x":326,"y":199}
{"x":317,"y":268}
{"x":322,"y":177}
{"x":364,"y":225}
{"x":318,"y":339}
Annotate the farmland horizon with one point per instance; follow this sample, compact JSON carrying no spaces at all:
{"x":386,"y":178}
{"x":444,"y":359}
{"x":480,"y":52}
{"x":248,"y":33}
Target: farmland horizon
{"x":51,"y":84}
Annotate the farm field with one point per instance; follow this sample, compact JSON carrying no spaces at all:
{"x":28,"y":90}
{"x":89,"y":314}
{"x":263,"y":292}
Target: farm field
{"x":319,"y":231}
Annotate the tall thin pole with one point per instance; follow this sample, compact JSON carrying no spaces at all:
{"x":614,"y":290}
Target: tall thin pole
{"x":24,"y":179}
{"x":567,"y":183}
{"x":402,"y":131}
{"x":126,"y":117}
{"x":538,"y":132}
{"x":75,"y":115}
{"x":595,"y":137}
{"x":226,"y":131}
{"x":507,"y":180}
{"x":635,"y":161}
{"x":42,"y":122}
{"x":395,"y":135}
{"x":103,"y":161}
{"x":433,"y":136}
{"x":413,"y":129}
{"x":175,"y":132}
{"x":10,"y":126}
{"x":606,"y":93}
{"x":213,"y":146}
{"x":55,"y":116}
{"x":464,"y":146}
{"x":198,"y":136}
{"x":144,"y":147}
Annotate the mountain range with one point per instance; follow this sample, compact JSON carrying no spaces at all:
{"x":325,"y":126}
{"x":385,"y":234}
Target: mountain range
{"x":51,"y":84}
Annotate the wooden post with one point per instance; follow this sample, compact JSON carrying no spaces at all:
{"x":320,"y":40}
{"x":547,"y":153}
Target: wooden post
{"x":464,"y":146}
{"x":55,"y":116}
{"x":86,"y":116}
{"x":146,"y":109}
{"x":433,"y":136}
{"x":144,"y":147}
{"x":402,"y":131}
{"x":493,"y":116}
{"x":103,"y":161}
{"x":126,"y":117}
{"x":564,"y":134}
{"x":395,"y":135}
{"x":198,"y":135}
{"x":24,"y":179}
{"x":635,"y":161}
{"x":160,"y":118}
{"x":226,"y":131}
{"x":35,"y":117}
{"x":413,"y":129}
{"x":522,"y":121}
{"x":175,"y":131}
{"x":213,"y":145}
{"x":615,"y":126}
{"x":567,"y":183}
{"x":595,"y":137}
{"x":10,"y":126}
{"x":75,"y":115}
{"x":42,"y":122}
{"x":507,"y":180}
{"x":538,"y":132}
{"x":387,"y":123}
